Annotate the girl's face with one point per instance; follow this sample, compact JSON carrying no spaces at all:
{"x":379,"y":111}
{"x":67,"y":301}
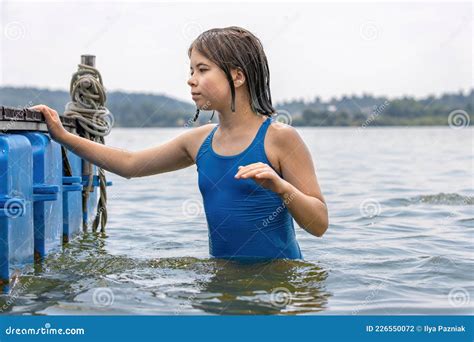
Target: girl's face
{"x":209,"y":86}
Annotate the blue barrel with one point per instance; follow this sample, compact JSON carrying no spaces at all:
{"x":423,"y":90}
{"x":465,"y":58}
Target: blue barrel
{"x":47,"y":193}
{"x":16,"y":198}
{"x":72,"y":198}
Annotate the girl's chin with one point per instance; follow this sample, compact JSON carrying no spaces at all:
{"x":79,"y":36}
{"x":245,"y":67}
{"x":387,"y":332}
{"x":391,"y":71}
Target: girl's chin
{"x":202,"y":104}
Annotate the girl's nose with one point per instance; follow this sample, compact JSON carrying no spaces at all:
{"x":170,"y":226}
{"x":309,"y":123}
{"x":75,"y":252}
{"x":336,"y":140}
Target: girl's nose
{"x":191,"y":81}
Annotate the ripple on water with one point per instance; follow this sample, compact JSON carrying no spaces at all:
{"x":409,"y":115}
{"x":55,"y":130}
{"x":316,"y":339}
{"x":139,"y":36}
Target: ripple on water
{"x":172,"y":285}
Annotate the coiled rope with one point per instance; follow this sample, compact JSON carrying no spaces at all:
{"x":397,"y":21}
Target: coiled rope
{"x":94,"y":123}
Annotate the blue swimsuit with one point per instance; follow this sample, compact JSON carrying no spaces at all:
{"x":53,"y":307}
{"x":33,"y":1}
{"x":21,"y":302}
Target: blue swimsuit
{"x":244,"y":219}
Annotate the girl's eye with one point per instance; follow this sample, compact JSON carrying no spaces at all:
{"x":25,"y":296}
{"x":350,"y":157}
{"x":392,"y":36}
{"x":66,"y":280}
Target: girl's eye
{"x":200,"y":70}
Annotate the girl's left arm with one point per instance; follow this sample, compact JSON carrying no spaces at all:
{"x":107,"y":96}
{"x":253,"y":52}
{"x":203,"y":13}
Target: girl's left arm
{"x":298,"y":186}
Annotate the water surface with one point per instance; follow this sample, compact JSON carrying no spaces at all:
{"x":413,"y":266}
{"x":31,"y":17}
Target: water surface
{"x":400,"y":238}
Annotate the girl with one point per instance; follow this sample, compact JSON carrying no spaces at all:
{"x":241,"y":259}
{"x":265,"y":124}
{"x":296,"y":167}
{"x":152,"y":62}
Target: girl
{"x":254,"y":174}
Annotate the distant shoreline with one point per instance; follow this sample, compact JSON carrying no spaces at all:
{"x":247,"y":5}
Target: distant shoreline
{"x":136,"y":110}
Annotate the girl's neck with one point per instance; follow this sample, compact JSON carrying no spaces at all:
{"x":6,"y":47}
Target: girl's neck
{"x":240,"y":120}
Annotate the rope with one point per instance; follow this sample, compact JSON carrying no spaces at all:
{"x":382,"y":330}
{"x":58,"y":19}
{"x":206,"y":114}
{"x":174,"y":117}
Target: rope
{"x":88,"y":108}
{"x":66,"y":164}
{"x":88,"y":99}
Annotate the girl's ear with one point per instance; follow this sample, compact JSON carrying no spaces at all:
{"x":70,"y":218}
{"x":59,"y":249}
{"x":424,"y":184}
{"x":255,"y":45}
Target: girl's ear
{"x":239,"y":77}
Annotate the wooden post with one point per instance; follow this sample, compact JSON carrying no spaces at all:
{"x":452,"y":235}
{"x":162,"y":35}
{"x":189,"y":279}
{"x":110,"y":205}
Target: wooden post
{"x":90,"y":61}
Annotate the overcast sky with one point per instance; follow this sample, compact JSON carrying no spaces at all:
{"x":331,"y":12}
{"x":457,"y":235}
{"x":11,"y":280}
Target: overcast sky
{"x":319,"y":49}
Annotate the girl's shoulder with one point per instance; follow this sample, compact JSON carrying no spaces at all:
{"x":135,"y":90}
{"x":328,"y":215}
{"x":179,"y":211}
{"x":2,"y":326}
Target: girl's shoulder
{"x":280,"y":134}
{"x":196,"y":136}
{"x":281,"y":141}
{"x":278,"y":143}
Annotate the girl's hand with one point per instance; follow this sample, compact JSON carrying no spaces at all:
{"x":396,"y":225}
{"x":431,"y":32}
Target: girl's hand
{"x":55,"y":127}
{"x":264,"y":175}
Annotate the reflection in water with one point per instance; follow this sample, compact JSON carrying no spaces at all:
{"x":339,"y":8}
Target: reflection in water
{"x":165,"y":286}
{"x":272,"y":287}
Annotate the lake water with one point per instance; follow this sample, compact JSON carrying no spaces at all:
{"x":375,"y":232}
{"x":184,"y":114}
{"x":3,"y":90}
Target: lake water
{"x":400,"y":239}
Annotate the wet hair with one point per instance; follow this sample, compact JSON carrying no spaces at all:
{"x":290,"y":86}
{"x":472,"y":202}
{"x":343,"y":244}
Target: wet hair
{"x":236,"y":48}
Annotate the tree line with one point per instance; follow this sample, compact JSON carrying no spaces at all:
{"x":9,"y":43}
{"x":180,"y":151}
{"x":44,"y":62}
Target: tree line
{"x":155,"y":110}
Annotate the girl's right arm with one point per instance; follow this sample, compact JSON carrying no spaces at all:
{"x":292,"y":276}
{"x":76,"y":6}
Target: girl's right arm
{"x":170,"y":156}
{"x":109,"y":158}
